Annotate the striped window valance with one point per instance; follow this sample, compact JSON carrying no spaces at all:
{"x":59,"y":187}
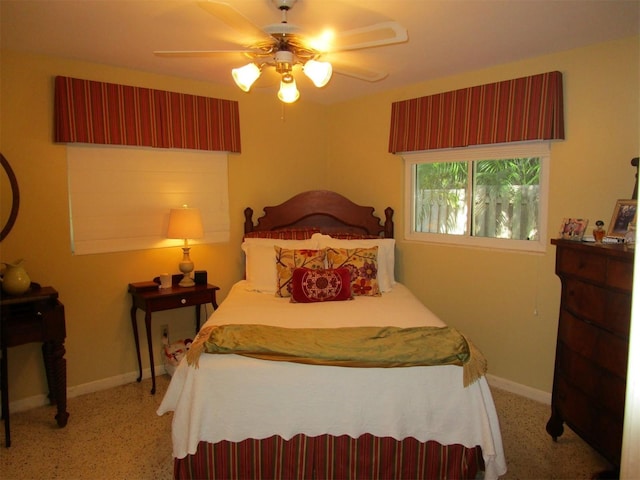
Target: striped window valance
{"x":105,"y":113}
{"x":528,"y":108}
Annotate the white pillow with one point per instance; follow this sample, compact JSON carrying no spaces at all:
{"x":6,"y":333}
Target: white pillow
{"x":260,"y":261}
{"x":386,"y":254}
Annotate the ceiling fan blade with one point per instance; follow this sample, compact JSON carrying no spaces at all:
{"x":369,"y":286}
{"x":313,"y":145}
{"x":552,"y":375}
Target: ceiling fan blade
{"x":196,"y":53}
{"x":357,"y":72}
{"x":385,"y":33}
{"x":251,"y":33}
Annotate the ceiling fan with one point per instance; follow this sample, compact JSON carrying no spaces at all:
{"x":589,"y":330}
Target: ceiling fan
{"x":283,"y":47}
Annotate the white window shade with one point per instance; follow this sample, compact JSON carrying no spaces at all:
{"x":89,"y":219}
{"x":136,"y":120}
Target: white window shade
{"x":120,"y":197}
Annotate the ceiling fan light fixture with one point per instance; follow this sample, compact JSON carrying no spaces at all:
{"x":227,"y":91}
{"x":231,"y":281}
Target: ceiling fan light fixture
{"x":319,"y":72}
{"x":246,"y":76}
{"x":285,"y":47}
{"x":288,"y":92}
{"x":287,"y":78}
{"x":284,"y":61}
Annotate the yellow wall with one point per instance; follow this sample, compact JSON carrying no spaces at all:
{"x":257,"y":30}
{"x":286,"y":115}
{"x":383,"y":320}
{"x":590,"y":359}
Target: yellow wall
{"x":492,"y":295}
{"x":275,"y":163}
{"x":489,"y":295}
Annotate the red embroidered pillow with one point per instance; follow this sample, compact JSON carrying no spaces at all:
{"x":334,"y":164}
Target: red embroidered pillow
{"x":320,"y":285}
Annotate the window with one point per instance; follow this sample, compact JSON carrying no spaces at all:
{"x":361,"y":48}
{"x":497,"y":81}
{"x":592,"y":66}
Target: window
{"x":120,"y":197}
{"x":489,"y":196}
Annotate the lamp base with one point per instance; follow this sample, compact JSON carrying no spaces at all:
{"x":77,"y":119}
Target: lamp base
{"x":186,"y":267}
{"x":186,"y":281}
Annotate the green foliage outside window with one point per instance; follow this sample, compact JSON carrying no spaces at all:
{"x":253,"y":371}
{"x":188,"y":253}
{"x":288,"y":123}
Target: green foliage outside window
{"x":505,"y":197}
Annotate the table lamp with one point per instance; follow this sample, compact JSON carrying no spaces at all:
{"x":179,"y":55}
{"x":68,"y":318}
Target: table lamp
{"x":185,"y":223}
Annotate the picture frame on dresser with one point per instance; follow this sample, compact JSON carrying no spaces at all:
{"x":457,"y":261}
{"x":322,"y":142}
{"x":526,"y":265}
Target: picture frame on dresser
{"x":624,"y":213}
{"x":573,"y":228}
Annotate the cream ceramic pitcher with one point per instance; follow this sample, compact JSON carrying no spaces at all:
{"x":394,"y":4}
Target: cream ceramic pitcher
{"x":15,"y":280}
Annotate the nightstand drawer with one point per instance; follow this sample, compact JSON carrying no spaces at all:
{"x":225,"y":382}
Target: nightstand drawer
{"x":177,"y":301}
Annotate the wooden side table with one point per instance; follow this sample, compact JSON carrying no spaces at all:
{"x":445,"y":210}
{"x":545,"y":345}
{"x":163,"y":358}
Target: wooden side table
{"x":149,"y":298}
{"x":36,"y":316}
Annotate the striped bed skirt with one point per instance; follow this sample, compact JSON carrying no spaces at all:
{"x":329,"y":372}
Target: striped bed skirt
{"x":331,"y":458}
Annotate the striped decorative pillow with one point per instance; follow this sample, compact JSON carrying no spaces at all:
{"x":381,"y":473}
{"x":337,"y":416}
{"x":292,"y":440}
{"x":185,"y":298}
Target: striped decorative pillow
{"x":284,"y":234}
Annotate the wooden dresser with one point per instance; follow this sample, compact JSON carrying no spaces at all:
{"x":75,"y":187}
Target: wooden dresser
{"x":593,"y":339}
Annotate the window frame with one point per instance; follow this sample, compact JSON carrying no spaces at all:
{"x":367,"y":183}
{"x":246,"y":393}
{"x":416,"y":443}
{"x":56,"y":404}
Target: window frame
{"x":540,"y":149}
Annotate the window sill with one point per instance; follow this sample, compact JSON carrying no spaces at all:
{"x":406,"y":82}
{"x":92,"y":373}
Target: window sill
{"x":506,"y":245}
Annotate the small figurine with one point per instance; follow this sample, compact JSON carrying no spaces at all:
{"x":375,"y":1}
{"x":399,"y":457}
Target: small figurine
{"x":599,"y":232}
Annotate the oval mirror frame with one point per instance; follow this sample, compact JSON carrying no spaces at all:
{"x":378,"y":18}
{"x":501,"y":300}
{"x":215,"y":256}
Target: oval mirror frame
{"x":15,"y":197}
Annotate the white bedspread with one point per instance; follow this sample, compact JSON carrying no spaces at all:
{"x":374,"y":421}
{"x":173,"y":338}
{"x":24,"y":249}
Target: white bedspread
{"x":230,"y":397}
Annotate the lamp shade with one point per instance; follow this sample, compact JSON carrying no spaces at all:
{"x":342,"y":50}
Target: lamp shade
{"x":185,"y":223}
{"x":319,"y":72}
{"x":246,"y":76}
{"x":288,"y":92}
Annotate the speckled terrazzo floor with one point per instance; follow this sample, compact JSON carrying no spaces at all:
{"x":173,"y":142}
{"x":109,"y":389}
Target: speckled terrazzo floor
{"x":116,"y":434}
{"x":112,"y":434}
{"x":530,"y":451}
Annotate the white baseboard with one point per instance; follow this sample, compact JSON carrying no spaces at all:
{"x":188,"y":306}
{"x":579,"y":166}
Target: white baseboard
{"x":91,"y":387}
{"x":519,"y":389}
{"x":105,"y":383}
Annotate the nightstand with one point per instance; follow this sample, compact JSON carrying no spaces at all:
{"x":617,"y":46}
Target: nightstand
{"x":148,"y":297}
{"x":35,"y":316}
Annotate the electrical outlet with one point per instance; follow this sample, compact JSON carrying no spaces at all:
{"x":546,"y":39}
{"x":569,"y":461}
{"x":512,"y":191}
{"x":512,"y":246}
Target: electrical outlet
{"x":165,"y":334}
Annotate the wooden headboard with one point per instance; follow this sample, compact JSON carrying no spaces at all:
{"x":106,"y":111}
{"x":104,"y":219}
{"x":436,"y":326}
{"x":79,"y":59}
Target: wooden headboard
{"x":328,"y":211}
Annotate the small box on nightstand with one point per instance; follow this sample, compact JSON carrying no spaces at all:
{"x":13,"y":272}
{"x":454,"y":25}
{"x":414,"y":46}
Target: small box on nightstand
{"x":200,"y":277}
{"x":143,"y":287}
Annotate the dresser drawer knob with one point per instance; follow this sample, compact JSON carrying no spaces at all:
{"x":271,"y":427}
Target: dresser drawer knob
{"x":183,"y":301}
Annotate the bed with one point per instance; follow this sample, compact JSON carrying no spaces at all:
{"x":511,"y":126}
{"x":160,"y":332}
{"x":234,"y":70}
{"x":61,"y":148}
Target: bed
{"x":246,"y":409}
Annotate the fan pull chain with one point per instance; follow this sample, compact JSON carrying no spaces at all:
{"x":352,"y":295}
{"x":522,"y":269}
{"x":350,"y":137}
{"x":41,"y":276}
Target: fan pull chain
{"x":282,"y":115}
